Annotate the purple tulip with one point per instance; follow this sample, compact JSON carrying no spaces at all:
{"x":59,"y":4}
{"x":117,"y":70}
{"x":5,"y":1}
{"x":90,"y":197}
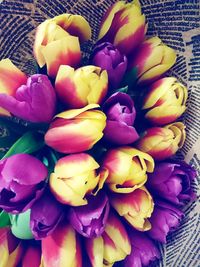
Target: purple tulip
{"x":35,"y":101}
{"x":172,"y":181}
{"x":120,"y":111}
{"x":165,"y":219}
{"x":90,"y":220}
{"x":46,"y":214}
{"x":22,"y":179}
{"x":108,"y":57}
{"x":143,"y":251}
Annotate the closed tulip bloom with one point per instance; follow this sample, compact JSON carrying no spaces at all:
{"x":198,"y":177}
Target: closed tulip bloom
{"x":35,"y":101}
{"x":76,"y":130}
{"x":114,"y":244}
{"x":124,"y":26}
{"x":78,"y":88}
{"x":57,"y":41}
{"x":163,"y":142}
{"x":120,"y":111}
{"x":172,"y":180}
{"x":90,"y":220}
{"x":62,"y":248}
{"x":152,"y":59}
{"x":165,"y":101}
{"x":22,"y":179}
{"x":143,"y":250}
{"x":11,"y":78}
{"x":10,"y":248}
{"x":135,"y":207}
{"x":165,"y":219}
{"x":109,"y":58}
{"x":74,"y":178}
{"x":127,"y":169}
{"x":43,"y":223}
{"x":32,"y":256}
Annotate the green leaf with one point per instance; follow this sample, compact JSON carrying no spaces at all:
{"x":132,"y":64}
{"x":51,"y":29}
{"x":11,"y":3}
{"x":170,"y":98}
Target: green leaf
{"x":130,"y":78}
{"x":4,"y":219}
{"x":121,"y":90}
{"x":30,"y":142}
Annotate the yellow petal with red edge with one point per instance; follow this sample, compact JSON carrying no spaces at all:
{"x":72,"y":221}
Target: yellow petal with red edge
{"x":178,"y":129}
{"x":4,"y":246}
{"x":62,"y":248}
{"x":95,"y":250}
{"x":11,"y":78}
{"x":15,"y":257}
{"x":108,"y":17}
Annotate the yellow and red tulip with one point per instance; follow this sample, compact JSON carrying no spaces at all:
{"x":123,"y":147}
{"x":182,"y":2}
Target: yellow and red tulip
{"x":127,"y":169}
{"x":152,"y":59}
{"x":62,"y":248}
{"x":112,"y":246}
{"x":78,"y":88}
{"x":165,"y":101}
{"x":124,"y":26}
{"x":75,"y":177}
{"x":163,"y":142}
{"x":32,"y":256}
{"x":57,"y":41}
{"x":135,"y":207}
{"x":76,"y":130}
{"x":10,"y":249}
{"x":11,"y":78}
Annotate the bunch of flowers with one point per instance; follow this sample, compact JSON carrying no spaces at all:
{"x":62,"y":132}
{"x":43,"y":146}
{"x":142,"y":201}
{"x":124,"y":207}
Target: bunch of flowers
{"x":92,"y":180}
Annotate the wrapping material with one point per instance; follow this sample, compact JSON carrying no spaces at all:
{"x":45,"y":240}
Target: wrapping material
{"x":177,"y":23}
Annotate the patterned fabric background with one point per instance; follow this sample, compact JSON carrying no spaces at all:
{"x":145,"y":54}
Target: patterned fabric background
{"x":177,"y":22}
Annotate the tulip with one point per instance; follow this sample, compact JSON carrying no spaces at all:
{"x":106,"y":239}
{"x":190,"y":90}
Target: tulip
{"x":135,"y":207}
{"x":57,"y":41}
{"x":90,"y":220}
{"x":32,"y":256}
{"x":76,"y":130}
{"x":74,"y":178}
{"x":124,"y":26}
{"x":10,"y":79}
{"x":172,"y":180}
{"x":143,"y":250}
{"x":163,"y":142}
{"x":112,"y":246}
{"x":22,"y":179}
{"x":152,"y":59}
{"x":10,"y":249}
{"x":78,"y":88}
{"x":127,"y":168}
{"x":120,"y":111}
{"x":43,"y":223}
{"x":108,"y":57}
{"x":62,"y":248}
{"x":164,"y":220}
{"x":165,"y":101}
{"x":35,"y":101}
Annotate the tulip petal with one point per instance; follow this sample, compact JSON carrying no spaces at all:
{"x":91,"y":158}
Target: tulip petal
{"x":32,"y":257}
{"x":95,"y":250}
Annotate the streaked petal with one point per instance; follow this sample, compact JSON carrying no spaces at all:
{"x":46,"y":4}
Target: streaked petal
{"x":95,"y":250}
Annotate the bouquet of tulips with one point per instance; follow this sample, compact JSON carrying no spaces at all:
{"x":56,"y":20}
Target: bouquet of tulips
{"x":91,"y":177}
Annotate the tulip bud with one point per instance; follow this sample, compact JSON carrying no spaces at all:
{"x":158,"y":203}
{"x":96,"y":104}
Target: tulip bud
{"x":112,"y":246}
{"x":22,"y":182}
{"x":35,"y":101}
{"x":90,"y":220}
{"x":127,"y":168}
{"x":62,"y":248}
{"x":163,"y":142}
{"x":32,"y":256}
{"x":172,"y":180}
{"x":68,"y":134}
{"x":74,"y":178}
{"x":11,"y":78}
{"x":57,"y":41}
{"x":108,"y":58}
{"x":120,"y":111}
{"x":78,"y":88}
{"x":124,"y":26}
{"x":164,"y":219}
{"x":152,"y":59}
{"x":135,"y":207}
{"x":165,"y":101}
